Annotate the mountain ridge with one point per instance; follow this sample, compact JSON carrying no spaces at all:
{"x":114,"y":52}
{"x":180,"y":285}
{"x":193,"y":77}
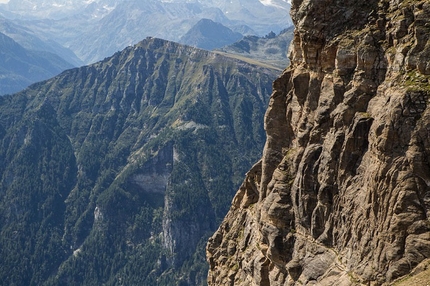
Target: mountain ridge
{"x":271,"y":49}
{"x":117,"y":172}
{"x":207,"y":34}
{"x":21,"y":67}
{"x":27,"y":38}
{"x":134,"y":20}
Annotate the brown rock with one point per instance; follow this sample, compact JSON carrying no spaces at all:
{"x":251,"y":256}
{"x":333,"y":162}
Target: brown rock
{"x":342,"y":193}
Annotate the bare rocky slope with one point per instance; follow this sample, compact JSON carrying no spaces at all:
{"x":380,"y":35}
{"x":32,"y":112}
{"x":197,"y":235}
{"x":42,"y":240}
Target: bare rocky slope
{"x":341,"y":195}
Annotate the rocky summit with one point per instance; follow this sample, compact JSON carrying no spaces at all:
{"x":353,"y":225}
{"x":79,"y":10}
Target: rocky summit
{"x":341,"y":195}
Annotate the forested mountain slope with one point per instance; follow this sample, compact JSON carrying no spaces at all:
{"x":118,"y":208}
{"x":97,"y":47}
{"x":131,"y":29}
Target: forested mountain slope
{"x":117,"y":173}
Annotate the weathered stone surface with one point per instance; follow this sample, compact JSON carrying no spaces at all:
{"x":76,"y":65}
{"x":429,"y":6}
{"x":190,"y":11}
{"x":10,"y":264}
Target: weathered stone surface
{"x":342,"y":193}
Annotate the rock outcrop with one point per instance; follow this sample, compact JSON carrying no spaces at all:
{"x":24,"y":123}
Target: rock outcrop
{"x":341,"y":195}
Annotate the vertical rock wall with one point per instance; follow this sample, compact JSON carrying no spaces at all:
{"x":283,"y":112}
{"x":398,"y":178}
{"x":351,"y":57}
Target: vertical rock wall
{"x":342,"y":192}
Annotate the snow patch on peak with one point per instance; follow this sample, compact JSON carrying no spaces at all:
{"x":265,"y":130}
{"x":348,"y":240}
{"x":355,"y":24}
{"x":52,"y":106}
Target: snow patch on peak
{"x":276,"y":3}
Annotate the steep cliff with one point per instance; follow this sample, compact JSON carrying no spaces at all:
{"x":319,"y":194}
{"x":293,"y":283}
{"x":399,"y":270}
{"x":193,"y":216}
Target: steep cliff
{"x":342,"y":192}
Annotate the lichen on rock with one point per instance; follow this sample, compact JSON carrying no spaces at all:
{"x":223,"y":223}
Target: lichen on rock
{"x":342,"y":192}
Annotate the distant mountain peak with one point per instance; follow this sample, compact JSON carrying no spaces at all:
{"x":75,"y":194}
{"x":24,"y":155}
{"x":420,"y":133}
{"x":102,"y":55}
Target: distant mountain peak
{"x":98,"y":28}
{"x":277,"y":3}
{"x":209,"y":35}
{"x":19,"y":67}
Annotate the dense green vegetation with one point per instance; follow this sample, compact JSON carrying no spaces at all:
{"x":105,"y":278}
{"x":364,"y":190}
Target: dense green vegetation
{"x":118,"y":172}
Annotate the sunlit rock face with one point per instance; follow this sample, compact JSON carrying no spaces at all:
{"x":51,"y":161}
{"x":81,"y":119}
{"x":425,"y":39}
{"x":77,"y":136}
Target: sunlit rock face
{"x":341,"y":195}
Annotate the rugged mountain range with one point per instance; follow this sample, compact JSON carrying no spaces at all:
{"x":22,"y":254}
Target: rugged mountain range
{"x":96,"y":29}
{"x":30,"y":41}
{"x":271,"y":49}
{"x":341,"y":195}
{"x":19,"y":67}
{"x":116,"y":173}
{"x":27,"y":58}
{"x":54,"y":9}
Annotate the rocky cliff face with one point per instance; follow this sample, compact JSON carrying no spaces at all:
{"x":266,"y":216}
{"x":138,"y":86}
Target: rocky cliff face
{"x":342,"y":192}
